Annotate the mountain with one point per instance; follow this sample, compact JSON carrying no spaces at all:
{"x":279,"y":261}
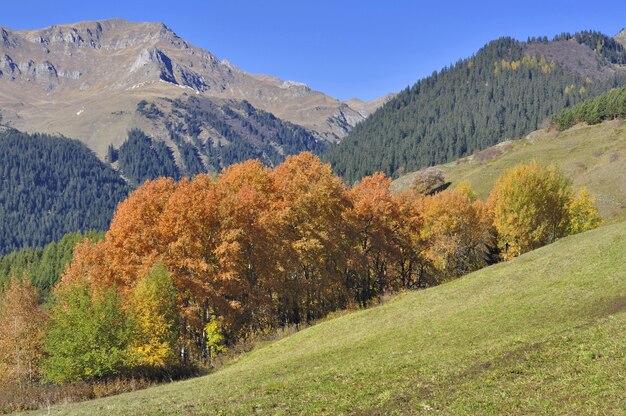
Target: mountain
{"x":85,"y":80}
{"x":541,"y":334}
{"x":50,"y":186}
{"x":621,"y":37}
{"x":505,"y":91}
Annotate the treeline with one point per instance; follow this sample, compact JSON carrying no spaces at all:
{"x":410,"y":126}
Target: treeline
{"x":188,"y":268}
{"x":50,"y":186}
{"x":43,"y":266}
{"x":605,"y":107}
{"x":605,"y":46}
{"x":500,"y":93}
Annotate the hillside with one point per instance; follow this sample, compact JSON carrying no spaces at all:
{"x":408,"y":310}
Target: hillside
{"x":592,"y":156}
{"x":50,"y":186}
{"x":85,"y":80}
{"x":541,"y":334}
{"x":505,"y":91}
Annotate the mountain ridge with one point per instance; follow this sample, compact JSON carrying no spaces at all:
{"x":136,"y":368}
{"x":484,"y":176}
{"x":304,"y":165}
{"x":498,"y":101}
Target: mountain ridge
{"x":50,"y":78}
{"x":506,"y":90}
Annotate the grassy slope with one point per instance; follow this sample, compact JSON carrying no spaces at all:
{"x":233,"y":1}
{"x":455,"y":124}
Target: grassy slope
{"x":540,"y":334}
{"x":593,"y":156}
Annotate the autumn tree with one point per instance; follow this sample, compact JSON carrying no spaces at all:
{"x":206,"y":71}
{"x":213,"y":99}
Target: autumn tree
{"x":414,"y":268}
{"x":375,"y":218}
{"x":22,"y":323}
{"x":533,"y":205}
{"x":215,"y":339}
{"x":189,"y":227}
{"x":315,"y":244}
{"x":459,"y":232}
{"x":583,"y":212}
{"x":155,"y":318}
{"x":247,"y":249}
{"x":133,"y":243}
{"x":88,"y":334}
{"x":465,"y":188}
{"x":90,"y":265}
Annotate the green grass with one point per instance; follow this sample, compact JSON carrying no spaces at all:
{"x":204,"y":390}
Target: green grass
{"x":542,"y":334}
{"x":592,"y":156}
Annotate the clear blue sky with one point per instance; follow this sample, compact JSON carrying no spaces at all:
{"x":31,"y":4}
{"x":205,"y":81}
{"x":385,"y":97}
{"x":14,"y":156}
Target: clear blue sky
{"x":351,"y":48}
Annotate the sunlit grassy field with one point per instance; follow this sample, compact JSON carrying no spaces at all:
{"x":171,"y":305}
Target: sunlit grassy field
{"x":592,"y":156}
{"x":542,"y":334}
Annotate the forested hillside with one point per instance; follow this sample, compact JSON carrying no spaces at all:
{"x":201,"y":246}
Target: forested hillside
{"x":208,"y":136}
{"x":50,"y":186}
{"x":505,"y":91}
{"x":234,"y":132}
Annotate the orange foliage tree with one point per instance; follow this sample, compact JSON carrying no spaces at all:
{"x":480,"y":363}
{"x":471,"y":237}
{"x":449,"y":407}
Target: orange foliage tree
{"x":22,"y":323}
{"x":247,"y":247}
{"x":189,"y":227}
{"x":314,"y":241}
{"x":459,"y":232}
{"x":376,"y":219}
{"x":133,"y":243}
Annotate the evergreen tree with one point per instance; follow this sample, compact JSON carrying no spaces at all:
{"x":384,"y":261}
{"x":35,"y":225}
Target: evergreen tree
{"x":43,"y":267}
{"x":51,"y":186}
{"x":141,"y":158}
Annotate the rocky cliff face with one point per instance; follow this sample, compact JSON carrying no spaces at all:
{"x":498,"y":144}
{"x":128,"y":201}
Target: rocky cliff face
{"x":84,"y":80}
{"x":621,"y":37}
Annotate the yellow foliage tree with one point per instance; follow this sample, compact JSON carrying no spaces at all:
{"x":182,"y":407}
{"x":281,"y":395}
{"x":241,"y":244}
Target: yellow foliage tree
{"x":459,"y":232}
{"x":466,"y":189}
{"x":155,"y":317}
{"x":584,"y":214}
{"x":215,"y":337}
{"x":532,"y":206}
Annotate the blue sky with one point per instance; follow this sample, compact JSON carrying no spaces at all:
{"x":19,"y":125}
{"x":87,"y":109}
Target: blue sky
{"x":344,"y":48}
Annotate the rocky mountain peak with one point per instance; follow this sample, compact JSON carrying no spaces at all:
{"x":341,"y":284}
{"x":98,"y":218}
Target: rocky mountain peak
{"x":621,"y":37}
{"x":86,"y":64}
{"x":8,"y":40}
{"x":111,"y":34}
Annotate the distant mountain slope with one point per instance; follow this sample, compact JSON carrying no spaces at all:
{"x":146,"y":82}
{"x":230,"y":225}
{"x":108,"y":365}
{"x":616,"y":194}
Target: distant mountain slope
{"x":621,"y":37}
{"x":592,"y":156}
{"x":84,"y":80}
{"x":208,"y":134}
{"x":50,"y":186}
{"x":505,"y":91}
{"x":541,"y":334}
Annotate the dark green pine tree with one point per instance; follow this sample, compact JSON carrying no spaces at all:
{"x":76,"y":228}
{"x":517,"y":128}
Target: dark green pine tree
{"x":50,"y":186}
